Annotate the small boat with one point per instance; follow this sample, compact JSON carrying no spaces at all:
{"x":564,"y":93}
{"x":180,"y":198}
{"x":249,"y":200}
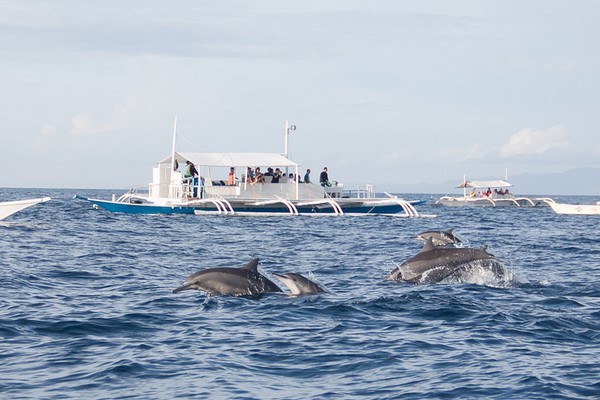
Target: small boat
{"x":8,"y":208}
{"x":489,"y":193}
{"x":225,"y":186}
{"x":575,"y":209}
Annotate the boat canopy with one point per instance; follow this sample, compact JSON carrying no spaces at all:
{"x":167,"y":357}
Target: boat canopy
{"x":233,"y":159}
{"x":484,"y":184}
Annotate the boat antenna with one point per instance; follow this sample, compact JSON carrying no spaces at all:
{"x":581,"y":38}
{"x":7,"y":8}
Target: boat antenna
{"x":506,"y":174}
{"x":288,"y":129}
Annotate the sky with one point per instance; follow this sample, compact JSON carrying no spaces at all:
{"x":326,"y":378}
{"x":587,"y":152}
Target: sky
{"x":380,"y":91}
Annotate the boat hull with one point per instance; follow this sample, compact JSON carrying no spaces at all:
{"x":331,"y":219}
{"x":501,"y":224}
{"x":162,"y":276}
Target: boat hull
{"x":575,"y":209}
{"x":491,"y":202}
{"x":254,"y":207}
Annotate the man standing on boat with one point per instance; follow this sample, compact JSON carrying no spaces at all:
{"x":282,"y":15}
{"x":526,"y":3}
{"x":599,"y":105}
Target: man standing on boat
{"x":231,"y":179}
{"x":307,"y":176}
{"x":324,"y":178}
{"x":191,"y":174}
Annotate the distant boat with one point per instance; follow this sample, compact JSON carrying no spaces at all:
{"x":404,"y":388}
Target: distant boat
{"x":8,"y":208}
{"x":490,"y":193}
{"x":575,"y":209}
{"x":214,"y":192}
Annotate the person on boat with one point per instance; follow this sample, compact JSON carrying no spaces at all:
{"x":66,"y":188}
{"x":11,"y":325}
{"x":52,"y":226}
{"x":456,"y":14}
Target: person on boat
{"x":201,"y":187}
{"x":324,"y":178}
{"x":276,"y":176}
{"x":489,"y":192}
{"x":187,"y":173}
{"x":250,"y":176}
{"x":190,"y":177}
{"x":307,"y":176}
{"x":258,"y":176}
{"x":291,"y":178}
{"x":472,"y":194}
{"x":231,"y":179}
{"x":269,"y":172}
{"x":194,"y":173}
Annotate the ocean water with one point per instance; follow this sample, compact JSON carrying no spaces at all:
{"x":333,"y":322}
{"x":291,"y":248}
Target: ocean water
{"x":87,"y":309}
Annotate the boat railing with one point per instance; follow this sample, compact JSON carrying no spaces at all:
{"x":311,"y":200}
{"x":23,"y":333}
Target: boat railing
{"x":222,"y":190}
{"x":131,"y":196}
{"x":361,"y":192}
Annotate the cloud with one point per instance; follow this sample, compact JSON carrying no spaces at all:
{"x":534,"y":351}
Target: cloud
{"x":47,"y":130}
{"x":44,"y":142}
{"x":528,"y":142}
{"x":471,"y":153}
{"x":84,"y":124}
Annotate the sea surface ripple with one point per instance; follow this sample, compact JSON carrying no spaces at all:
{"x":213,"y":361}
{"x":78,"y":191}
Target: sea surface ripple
{"x":87,"y":309}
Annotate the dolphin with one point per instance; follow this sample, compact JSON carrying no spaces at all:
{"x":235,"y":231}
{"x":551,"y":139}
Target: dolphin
{"x":299,"y":284}
{"x":243,"y":281}
{"x":440,"y":238}
{"x":434,"y":264}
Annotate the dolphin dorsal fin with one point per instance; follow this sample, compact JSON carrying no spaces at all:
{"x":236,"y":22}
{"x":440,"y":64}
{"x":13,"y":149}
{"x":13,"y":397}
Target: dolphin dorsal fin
{"x":428,"y":246}
{"x":449,"y":231}
{"x":252,"y":265}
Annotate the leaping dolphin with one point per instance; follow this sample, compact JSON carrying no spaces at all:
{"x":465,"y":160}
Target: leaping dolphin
{"x":243,"y":281}
{"x":434,"y":264}
{"x":440,"y":238}
{"x":298,"y":284}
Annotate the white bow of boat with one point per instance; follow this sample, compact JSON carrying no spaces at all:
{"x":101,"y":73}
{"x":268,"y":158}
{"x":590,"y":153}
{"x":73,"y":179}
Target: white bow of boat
{"x":9,"y":208}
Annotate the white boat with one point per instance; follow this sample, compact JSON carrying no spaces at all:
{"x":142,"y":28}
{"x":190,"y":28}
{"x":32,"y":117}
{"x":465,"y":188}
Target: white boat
{"x":575,"y":209}
{"x":489,"y":193}
{"x":8,"y":208}
{"x":212,"y":192}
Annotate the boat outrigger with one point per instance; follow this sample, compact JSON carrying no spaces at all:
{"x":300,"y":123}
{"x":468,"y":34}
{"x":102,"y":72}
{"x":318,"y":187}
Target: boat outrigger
{"x":8,"y":208}
{"x":213,"y":192}
{"x":490,"y":193}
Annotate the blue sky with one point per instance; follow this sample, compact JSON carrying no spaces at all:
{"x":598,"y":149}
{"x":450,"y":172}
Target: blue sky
{"x":380,"y":91}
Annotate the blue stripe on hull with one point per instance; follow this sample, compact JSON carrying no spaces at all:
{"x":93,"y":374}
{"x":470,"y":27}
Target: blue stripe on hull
{"x":143,"y":208}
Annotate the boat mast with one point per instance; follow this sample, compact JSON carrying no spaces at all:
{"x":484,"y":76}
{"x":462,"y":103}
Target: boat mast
{"x":173,"y":150}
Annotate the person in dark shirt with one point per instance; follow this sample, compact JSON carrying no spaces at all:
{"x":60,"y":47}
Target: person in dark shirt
{"x":276,"y":176}
{"x":324,"y":178}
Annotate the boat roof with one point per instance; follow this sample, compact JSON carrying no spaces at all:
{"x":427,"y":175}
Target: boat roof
{"x":233,"y":159}
{"x":499,"y":183}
